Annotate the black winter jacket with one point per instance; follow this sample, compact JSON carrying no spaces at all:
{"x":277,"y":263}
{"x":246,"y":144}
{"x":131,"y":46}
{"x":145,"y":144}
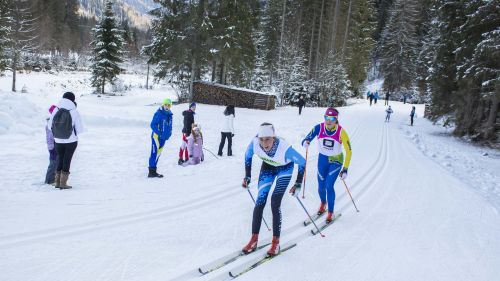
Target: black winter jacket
{"x":188,"y":121}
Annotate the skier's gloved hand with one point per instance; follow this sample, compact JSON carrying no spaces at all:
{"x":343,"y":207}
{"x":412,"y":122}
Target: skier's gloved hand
{"x":295,"y":190}
{"x":246,"y":182}
{"x":306,"y":144}
{"x":343,"y":174}
{"x":232,"y":135}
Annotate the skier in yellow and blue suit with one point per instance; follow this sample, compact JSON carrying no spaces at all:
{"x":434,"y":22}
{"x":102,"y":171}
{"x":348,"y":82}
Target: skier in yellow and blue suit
{"x":162,"y":130}
{"x":331,"y":138}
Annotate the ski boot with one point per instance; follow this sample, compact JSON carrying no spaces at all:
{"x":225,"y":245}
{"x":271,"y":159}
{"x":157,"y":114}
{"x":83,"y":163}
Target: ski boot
{"x":322,"y":209}
{"x":275,"y":247}
{"x":252,"y":245}
{"x":154,"y":174}
{"x":329,"y":217}
{"x":180,"y":162}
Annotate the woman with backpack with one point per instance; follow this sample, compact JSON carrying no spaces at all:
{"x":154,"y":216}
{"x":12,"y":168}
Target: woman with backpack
{"x":66,"y":126}
{"x":227,"y":131}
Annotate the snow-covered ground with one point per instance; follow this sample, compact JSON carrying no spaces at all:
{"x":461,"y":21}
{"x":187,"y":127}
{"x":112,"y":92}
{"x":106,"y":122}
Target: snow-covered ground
{"x":428,"y":202}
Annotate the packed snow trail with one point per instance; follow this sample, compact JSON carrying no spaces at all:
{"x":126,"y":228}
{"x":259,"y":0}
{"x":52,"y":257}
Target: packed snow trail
{"x":417,"y":221}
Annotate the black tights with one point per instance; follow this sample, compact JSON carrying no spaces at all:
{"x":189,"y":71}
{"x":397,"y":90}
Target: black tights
{"x":64,"y":155}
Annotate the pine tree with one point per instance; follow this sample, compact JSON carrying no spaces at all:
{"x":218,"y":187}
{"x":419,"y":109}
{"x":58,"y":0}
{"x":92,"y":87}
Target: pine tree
{"x":360,"y":43}
{"x":335,"y":84}
{"x":399,"y":47}
{"x":259,"y":75}
{"x":5,"y":28}
{"x":107,"y":49}
{"x":22,"y":34}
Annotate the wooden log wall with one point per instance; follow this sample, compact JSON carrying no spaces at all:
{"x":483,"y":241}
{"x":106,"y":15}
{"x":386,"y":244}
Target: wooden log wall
{"x":217,"y":94}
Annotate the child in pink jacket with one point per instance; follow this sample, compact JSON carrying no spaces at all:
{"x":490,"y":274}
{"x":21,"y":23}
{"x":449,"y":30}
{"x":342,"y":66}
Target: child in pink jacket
{"x":195,"y":146}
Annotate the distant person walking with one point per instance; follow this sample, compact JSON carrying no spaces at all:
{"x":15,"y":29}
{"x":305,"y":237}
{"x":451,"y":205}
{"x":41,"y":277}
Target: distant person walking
{"x":376,"y":96}
{"x":412,"y":115}
{"x":66,"y":126}
{"x":301,"y":103}
{"x":161,"y":127}
{"x":389,"y":112}
{"x":370,"y":96}
{"x":50,"y":176}
{"x":405,"y":96}
{"x":227,"y":131}
{"x":387,"y":96}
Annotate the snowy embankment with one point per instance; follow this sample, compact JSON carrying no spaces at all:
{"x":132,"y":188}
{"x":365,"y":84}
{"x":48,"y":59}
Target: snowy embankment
{"x":420,"y":218}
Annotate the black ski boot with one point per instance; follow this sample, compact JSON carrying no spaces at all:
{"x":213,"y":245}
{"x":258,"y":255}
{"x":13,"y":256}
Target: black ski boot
{"x":154,"y":174}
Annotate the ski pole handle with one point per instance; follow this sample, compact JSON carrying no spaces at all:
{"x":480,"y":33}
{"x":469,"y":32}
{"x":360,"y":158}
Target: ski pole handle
{"x":251,"y":196}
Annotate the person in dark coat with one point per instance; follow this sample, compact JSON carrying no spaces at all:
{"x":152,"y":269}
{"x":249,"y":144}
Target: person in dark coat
{"x":387,"y":96}
{"x":301,"y":103}
{"x":412,"y":115}
{"x":186,"y":132}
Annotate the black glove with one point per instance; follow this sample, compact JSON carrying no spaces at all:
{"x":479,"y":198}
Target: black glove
{"x":295,"y":190}
{"x":246,"y":182}
{"x":232,"y":135}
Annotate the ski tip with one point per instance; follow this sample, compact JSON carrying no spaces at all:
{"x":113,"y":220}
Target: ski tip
{"x":231,"y":275}
{"x":201,"y":271}
{"x":312,"y":232}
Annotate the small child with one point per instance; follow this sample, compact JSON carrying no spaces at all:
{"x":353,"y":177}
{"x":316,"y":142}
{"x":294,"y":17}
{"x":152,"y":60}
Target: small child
{"x":389,"y":112}
{"x":51,"y":170}
{"x":195,"y":146}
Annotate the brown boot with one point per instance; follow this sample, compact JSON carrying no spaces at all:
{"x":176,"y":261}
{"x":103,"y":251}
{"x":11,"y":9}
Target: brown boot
{"x":64,"y":181}
{"x":252,"y":245}
{"x":57,"y":181}
{"x":329,"y":217}
{"x":275,"y":247}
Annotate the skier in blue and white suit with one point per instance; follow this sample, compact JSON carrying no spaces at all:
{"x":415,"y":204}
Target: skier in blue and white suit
{"x":278,"y":159}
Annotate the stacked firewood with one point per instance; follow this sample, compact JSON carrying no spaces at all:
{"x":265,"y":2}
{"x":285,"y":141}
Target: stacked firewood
{"x":217,"y":94}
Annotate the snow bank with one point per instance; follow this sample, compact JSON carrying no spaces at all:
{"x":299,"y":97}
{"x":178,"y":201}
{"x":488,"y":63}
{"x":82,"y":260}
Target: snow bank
{"x":17,"y":114}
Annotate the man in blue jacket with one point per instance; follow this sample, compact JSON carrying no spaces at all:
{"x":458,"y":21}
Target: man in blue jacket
{"x":162,"y":130}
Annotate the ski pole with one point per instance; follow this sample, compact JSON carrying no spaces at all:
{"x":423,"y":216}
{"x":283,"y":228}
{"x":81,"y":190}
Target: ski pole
{"x":350,"y":195}
{"x":319,"y":231}
{"x":268,"y":229}
{"x":211,"y":153}
{"x":305,"y":173}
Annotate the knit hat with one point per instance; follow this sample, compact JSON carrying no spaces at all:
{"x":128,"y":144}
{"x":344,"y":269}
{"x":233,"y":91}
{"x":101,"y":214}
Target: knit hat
{"x":266,"y":130}
{"x":331,"y":112}
{"x":51,"y":108}
{"x":70,"y":96}
{"x":192,"y":104}
{"x":166,"y":101}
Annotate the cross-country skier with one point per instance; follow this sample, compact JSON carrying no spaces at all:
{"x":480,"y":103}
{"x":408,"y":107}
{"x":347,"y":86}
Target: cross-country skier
{"x":278,"y":159}
{"x":331,"y":138}
{"x":162,"y":130}
{"x":412,"y":115}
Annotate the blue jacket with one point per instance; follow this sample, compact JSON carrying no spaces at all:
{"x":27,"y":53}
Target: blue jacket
{"x":162,"y":124}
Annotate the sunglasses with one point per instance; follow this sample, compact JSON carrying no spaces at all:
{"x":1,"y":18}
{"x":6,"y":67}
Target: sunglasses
{"x":330,"y":118}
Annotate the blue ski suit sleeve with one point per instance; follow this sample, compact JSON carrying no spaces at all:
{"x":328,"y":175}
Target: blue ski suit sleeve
{"x":248,"y":160}
{"x":312,"y":134}
{"x":292,"y":155}
{"x":155,"y":123}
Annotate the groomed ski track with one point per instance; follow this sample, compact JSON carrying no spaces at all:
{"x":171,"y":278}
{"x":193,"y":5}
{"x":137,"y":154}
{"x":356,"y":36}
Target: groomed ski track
{"x":416,"y":220}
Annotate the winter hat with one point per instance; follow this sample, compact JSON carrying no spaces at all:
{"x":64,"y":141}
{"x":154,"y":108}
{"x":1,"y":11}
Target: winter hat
{"x":166,"y":101}
{"x":70,"y":96}
{"x":331,"y":112}
{"x":266,"y":130}
{"x":192,"y":104}
{"x":51,"y":108}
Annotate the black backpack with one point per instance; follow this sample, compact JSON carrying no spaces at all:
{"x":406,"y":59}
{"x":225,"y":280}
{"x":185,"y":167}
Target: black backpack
{"x":62,"y":124}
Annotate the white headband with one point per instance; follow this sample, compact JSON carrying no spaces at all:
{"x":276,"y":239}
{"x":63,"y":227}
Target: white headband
{"x":266,"y":131}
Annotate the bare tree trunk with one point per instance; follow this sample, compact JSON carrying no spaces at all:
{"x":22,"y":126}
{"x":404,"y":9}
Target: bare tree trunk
{"x":309,"y":68}
{"x":14,"y":69}
{"x":214,"y":69}
{"x":319,"y":36}
{"x":282,"y":31}
{"x":102,"y":87}
{"x":346,"y":29}
{"x":489,"y":131}
{"x":193,"y":70}
{"x":334,"y":29}
{"x":147,"y":78}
